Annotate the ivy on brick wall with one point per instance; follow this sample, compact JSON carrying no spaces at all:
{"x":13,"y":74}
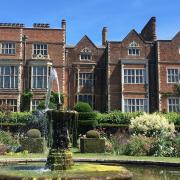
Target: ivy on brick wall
{"x":25,"y":100}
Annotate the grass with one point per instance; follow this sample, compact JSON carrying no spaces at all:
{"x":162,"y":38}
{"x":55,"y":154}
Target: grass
{"x":98,"y":156}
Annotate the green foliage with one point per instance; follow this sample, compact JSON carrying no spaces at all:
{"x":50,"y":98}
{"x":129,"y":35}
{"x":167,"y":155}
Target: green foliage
{"x":115,"y":147}
{"x":82,"y":107}
{"x":55,"y":98}
{"x":152,"y":125}
{"x":117,"y":117}
{"x":138,"y":146}
{"x":87,"y":115}
{"x":93,"y":134}
{"x":7,"y":139}
{"x":86,"y":125}
{"x":41,"y":105}
{"x":177,"y":145}
{"x":173,"y":117}
{"x":163,"y":146}
{"x":177,"y":89}
{"x":33,"y":133}
{"x":25,"y":100}
{"x":15,"y":117}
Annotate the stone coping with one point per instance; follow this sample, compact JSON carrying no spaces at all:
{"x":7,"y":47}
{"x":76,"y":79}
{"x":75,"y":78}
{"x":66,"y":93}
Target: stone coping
{"x":130,"y":162}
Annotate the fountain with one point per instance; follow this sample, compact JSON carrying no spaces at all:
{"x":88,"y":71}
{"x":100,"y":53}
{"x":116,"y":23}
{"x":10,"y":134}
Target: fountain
{"x":60,"y":157}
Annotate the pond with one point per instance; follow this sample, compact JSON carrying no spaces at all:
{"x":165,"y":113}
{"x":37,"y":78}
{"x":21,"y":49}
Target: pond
{"x":88,"y":169}
{"x":153,"y":172}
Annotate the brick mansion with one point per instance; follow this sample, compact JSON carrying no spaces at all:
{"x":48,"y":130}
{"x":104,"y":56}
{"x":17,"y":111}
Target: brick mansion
{"x":138,"y":73}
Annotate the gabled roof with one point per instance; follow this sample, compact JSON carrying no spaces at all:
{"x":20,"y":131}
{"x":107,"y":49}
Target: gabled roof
{"x":133,"y":31}
{"x":85,"y":37}
{"x":176,"y":36}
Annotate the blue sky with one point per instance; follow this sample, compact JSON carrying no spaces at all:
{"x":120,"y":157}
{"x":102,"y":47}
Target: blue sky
{"x":89,"y":16}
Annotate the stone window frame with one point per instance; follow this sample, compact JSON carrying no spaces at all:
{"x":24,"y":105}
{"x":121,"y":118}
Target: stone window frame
{"x":86,"y":52}
{"x":134,"y":76}
{"x":83,"y":79}
{"x":175,"y":105}
{"x":44,"y":74}
{"x":33,"y":63}
{"x":41,"y":49}
{"x":13,"y":77}
{"x":11,"y":102}
{"x":143,"y":106}
{"x":7,"y":48}
{"x":86,"y":94}
{"x":171,"y":74}
{"x":35,"y":103}
{"x":133,"y":49}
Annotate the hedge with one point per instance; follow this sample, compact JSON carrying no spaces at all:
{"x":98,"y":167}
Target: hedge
{"x":16,"y":117}
{"x":117,"y":117}
{"x":86,"y":125}
{"x":87,"y":116}
{"x":173,"y":117}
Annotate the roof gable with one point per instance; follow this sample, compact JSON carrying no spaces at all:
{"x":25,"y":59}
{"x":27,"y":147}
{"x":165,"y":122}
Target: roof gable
{"x":176,"y":37}
{"x":86,"y":41}
{"x":133,"y":36}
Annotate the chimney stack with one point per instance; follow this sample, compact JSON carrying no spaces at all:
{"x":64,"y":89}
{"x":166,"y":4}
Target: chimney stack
{"x":63,"y":24}
{"x":104,"y":35}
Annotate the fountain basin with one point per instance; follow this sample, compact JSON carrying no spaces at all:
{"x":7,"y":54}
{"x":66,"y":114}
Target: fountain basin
{"x":78,"y":171}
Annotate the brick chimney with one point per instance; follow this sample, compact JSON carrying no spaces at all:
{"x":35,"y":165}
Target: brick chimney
{"x":63,"y":24}
{"x":149,"y":30}
{"x":104,"y":35}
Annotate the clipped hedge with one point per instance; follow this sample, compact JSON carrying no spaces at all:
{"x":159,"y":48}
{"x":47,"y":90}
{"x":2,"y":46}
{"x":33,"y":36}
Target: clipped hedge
{"x":82,"y":107}
{"x":117,"y":117}
{"x":16,"y":117}
{"x":86,"y":125}
{"x":87,"y":116}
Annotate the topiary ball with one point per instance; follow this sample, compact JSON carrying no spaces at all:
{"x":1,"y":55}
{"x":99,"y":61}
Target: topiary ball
{"x":33,"y":133}
{"x":82,"y":107}
{"x":93,"y":134}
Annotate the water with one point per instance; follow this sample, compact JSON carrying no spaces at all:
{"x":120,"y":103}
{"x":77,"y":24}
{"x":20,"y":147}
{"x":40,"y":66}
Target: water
{"x":139,"y":172}
{"x":154,"y":172}
{"x":53,"y":76}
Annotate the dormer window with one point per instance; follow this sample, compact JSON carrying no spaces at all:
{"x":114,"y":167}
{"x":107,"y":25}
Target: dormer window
{"x":86,"y":54}
{"x":133,"y":49}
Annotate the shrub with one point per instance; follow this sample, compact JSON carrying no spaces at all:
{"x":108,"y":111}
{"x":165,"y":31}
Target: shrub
{"x":177,"y":145}
{"x":7,"y":139}
{"x":82,"y":107}
{"x":87,"y":115}
{"x":25,"y":100}
{"x":117,"y":117}
{"x":86,"y":125}
{"x":93,"y":134}
{"x":138,"y":146}
{"x":16,"y":117}
{"x":163,"y":146}
{"x":173,"y":117}
{"x":151,"y":125}
{"x":33,"y":133}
